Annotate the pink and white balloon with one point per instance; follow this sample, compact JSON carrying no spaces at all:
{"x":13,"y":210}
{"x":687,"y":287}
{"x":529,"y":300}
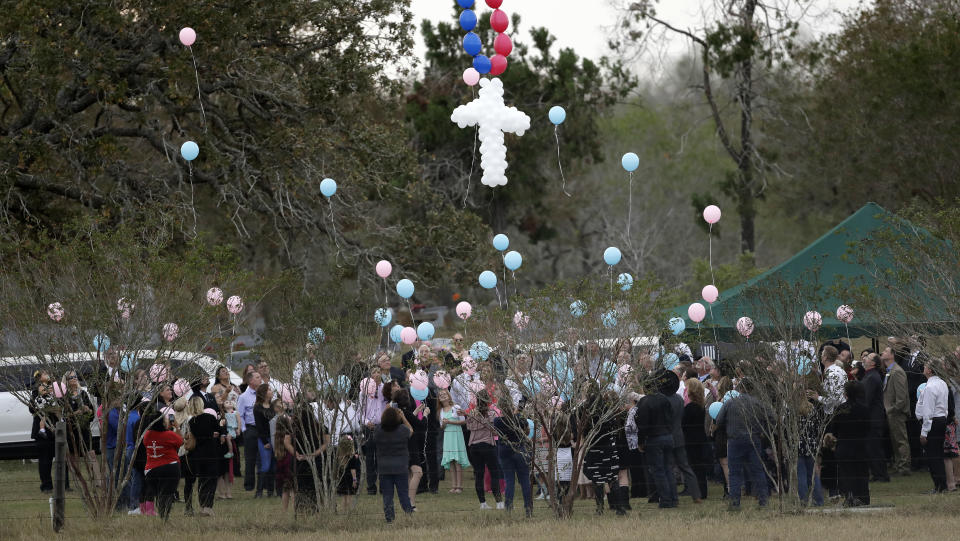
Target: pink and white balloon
{"x":171,"y":331}
{"x":623,"y":372}
{"x":697,"y":312}
{"x":812,"y":320}
{"x":419,"y":380}
{"x":235,"y":305}
{"x":710,"y":293}
{"x":55,"y":311}
{"x":58,"y":389}
{"x":159,"y":373}
{"x":211,"y":411}
{"x":469,"y":365}
{"x":369,"y":387}
{"x":441,"y":379}
{"x":214,"y":296}
{"x":845,"y":314}
{"x":464,"y":310}
{"x":556,"y":402}
{"x":408,"y":335}
{"x":384,"y":268}
{"x":188,"y":36}
{"x":520,"y":321}
{"x":125,"y":307}
{"x":745,"y":326}
{"x":181,"y":387}
{"x":475,"y":387}
{"x":711,"y":214}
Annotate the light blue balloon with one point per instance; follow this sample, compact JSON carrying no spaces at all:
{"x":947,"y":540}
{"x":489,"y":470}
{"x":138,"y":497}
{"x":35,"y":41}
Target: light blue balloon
{"x":316,"y":335}
{"x":608,"y":370}
{"x":488,"y":280}
{"x":425,"y":330}
{"x":557,"y":115}
{"x":730,"y":396}
{"x":670,"y":361}
{"x":532,"y":384}
{"x":328,"y":187}
{"x":480,"y":350}
{"x":189,"y":151}
{"x":715,"y":410}
{"x":804,"y":366}
{"x":557,"y":365}
{"x":920,"y":389}
{"x":101,"y":342}
{"x":609,"y":319}
{"x":395,"y":334}
{"x":513,"y":260}
{"x":578,"y":308}
{"x":501,"y":242}
{"x":127,"y":362}
{"x":405,"y":288}
{"x":630,"y":162}
{"x":612,"y":255}
{"x":419,"y":394}
{"x":625,"y":281}
{"x":383,"y":316}
{"x":530,"y":432}
{"x":677,"y":325}
{"x":340,"y":384}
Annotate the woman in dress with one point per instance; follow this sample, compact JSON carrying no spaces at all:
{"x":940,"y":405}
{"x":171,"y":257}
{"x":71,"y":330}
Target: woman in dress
{"x":284,"y":452}
{"x":79,"y":412}
{"x":454,"y":449}
{"x":695,"y":435}
{"x":601,"y":465}
{"x":204,"y":460}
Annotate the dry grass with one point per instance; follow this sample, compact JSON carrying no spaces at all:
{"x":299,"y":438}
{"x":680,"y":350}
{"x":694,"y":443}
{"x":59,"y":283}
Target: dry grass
{"x":24,"y":515}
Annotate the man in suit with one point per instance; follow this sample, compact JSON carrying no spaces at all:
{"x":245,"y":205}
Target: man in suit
{"x":896,"y":403}
{"x":873,"y":389}
{"x":913,"y":361}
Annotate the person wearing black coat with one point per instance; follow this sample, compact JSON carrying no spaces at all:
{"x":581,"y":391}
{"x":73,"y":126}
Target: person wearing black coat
{"x":42,"y":431}
{"x":872,"y":384}
{"x":695,"y":437}
{"x":851,"y":427}
{"x":204,"y":459}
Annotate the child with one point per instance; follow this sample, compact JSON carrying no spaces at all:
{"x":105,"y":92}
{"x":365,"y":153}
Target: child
{"x":348,"y":460}
{"x":233,"y":423}
{"x":454,"y":448}
{"x":284,"y":453}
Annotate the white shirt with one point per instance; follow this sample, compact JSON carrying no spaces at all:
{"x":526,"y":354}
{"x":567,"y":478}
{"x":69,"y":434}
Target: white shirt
{"x":932,"y":403}
{"x":311,"y":368}
{"x":834,"y":380}
{"x":460,"y":391}
{"x":343,"y":419}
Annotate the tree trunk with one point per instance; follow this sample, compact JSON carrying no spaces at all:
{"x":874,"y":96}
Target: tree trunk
{"x":745,"y":191}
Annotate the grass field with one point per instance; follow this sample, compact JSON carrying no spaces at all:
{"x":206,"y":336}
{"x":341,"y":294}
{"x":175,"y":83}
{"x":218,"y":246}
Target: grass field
{"x":25,"y":515}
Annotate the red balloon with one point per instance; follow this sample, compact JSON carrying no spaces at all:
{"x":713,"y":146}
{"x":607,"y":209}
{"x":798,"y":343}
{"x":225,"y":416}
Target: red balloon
{"x":494,"y":3}
{"x":499,"y":21}
{"x":503,"y":44}
{"x":498,"y":64}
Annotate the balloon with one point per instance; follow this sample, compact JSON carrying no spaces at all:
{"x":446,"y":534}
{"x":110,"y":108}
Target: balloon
{"x":469,"y":365}
{"x":214,"y":296}
{"x":189,"y":151}
{"x":812,"y":320}
{"x":101,"y":342}
{"x":340,"y":384}
{"x":745,"y":326}
{"x":55,"y":311}
{"x":316,"y":336}
{"x":181,"y":387}
{"x":405,"y":288}
{"x":612,"y":256}
{"x":532,"y":384}
{"x":677,"y":325}
{"x":557,"y":115}
{"x":468,"y":20}
{"x":499,"y":21}
{"x":498,"y":64}
{"x":235,"y":305}
{"x":395,"y":334}
{"x":715,"y":410}
{"x":464,"y":310}
{"x":711,"y":214}
{"x":710,"y":293}
{"x":408,"y":335}
{"x":425,"y":331}
{"x":503,"y":45}
{"x":670,"y":361}
{"x":384,"y":268}
{"x":730,"y":396}
{"x":557,"y":364}
{"x":623,"y":372}
{"x":845,"y":314}
{"x":804,"y":365}
{"x":494,"y":3}
{"x":383,"y":316}
{"x":465,"y":4}
{"x":158,"y":373}
{"x":419,"y":394}
{"x":608,"y":370}
{"x":520,"y":321}
{"x":578,"y":308}
{"x":328,"y":187}
{"x":441,"y":379}
{"x":488,"y":280}
{"x":697,"y":312}
{"x":369,"y":387}
{"x":530,"y":426}
{"x":630,"y":162}
{"x":471,"y":76}
{"x":188,"y":36}
{"x":58,"y":390}
{"x":556,"y":402}
{"x":609,"y":319}
{"x":482,"y":64}
{"x":480,"y":350}
{"x":125,"y":307}
{"x":170,"y":331}
{"x":419,"y":380}
{"x":513,"y":260}
{"x":625,"y":281}
{"x":501,"y":242}
{"x":920,"y":389}
{"x":127,"y":362}
{"x":472,"y":44}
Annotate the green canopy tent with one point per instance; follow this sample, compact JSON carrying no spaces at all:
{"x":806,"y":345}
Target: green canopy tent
{"x":828,"y":273}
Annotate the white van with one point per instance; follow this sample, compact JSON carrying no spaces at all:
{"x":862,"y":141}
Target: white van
{"x":16,"y":385}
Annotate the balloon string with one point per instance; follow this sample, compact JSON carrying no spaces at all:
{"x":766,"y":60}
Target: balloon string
{"x":499,"y":302}
{"x":199,"y":93}
{"x":630,"y":209}
{"x":473,"y":159}
{"x":333,"y":224}
{"x":556,"y":135}
{"x":412,"y":322}
{"x":710,"y":244}
{"x":714,"y":325}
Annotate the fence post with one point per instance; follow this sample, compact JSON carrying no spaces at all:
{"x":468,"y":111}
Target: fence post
{"x":59,"y":476}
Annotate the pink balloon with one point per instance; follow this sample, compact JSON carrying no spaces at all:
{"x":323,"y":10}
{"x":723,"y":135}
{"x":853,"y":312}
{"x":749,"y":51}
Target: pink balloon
{"x":235,"y":305}
{"x":408,"y":335}
{"x":520,"y":321}
{"x":170,"y":332}
{"x":181,"y":387}
{"x":442,"y":379}
{"x":476,"y":386}
{"x":711,"y":214}
{"x":812,"y":320}
{"x":55,"y":311}
{"x":384,"y":268}
{"x":556,"y":402}
{"x":464,"y":310}
{"x":696,"y":312}
{"x":188,"y":36}
{"x":710,"y":293}
{"x":58,"y":390}
{"x":469,"y":365}
{"x":211,"y":411}
{"x":745,"y":326}
{"x":845,"y":314}
{"x":214,"y":296}
{"x":369,"y":386}
{"x":158,"y":373}
{"x":125,"y":307}
{"x":471,"y":76}
{"x":419,"y":380}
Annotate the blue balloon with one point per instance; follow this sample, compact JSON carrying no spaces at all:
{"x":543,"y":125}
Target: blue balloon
{"x":513,"y":260}
{"x":405,"y":288}
{"x":395,"y":334}
{"x":383,"y":316}
{"x":480,"y":350}
{"x":488,"y":280}
{"x":189,"y":151}
{"x":328,"y":187}
{"x":612,"y":256}
{"x":101,"y":342}
{"x":804,"y":366}
{"x":630,"y":161}
{"x":677,"y":325}
{"x":625,"y":281}
{"x":127,"y":362}
{"x":608,"y":370}
{"x":340,"y":384}
{"x":920,"y":389}
{"x":468,"y":20}
{"x":670,"y":361}
{"x":419,"y":394}
{"x":530,"y":432}
{"x":532,"y":384}
{"x":482,"y":64}
{"x":609,"y":319}
{"x":425,"y":330}
{"x":472,"y":44}
{"x":730,"y":396}
{"x":557,"y":363}
{"x":578,"y":308}
{"x":501,"y":242}
{"x":465,"y":4}
{"x":715,"y":410}
{"x":557,"y":115}
{"x":316,"y":335}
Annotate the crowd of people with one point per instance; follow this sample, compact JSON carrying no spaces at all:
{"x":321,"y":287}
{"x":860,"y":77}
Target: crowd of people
{"x":653,"y":427}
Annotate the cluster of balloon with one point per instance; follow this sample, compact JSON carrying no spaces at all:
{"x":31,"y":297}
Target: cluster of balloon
{"x":125,"y":307}
{"x":441,"y":378}
{"x":493,"y":118}
{"x":473,"y":46}
{"x":745,"y":326}
{"x":521,"y":320}
{"x":181,"y":387}
{"x":812,"y":320}
{"x":425,"y":331}
{"x":677,"y":325}
{"x":625,"y":281}
{"x":171,"y":331}
{"x":55,"y":311}
{"x":557,"y":116}
{"x":418,"y":385}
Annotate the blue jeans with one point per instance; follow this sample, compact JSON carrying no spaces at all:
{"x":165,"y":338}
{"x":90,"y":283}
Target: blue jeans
{"x":131,"y":491}
{"x":743,"y":454}
{"x":659,"y":455}
{"x":806,"y":473}
{"x":515,"y":464}
{"x":400,"y":481}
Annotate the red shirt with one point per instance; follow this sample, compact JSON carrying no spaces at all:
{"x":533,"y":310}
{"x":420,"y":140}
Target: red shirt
{"x":162,"y":447}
